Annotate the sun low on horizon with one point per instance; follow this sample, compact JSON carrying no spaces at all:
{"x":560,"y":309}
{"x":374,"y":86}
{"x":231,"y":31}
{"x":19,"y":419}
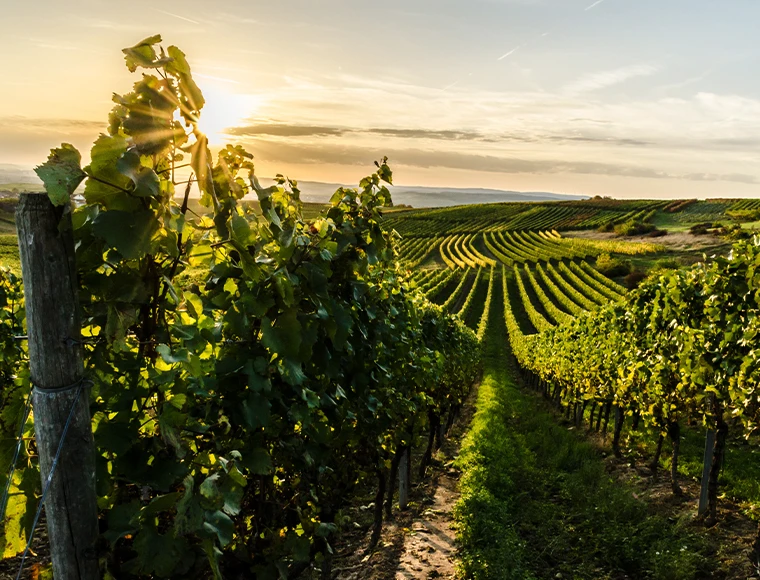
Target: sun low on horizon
{"x":224,"y":110}
{"x":596,"y":98}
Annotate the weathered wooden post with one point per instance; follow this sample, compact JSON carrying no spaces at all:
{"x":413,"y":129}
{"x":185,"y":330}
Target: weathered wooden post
{"x":707,"y":466}
{"x":46,"y":247}
{"x":404,"y":473}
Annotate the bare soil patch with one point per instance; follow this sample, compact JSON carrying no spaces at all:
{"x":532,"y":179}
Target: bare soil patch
{"x":417,"y":543}
{"x":732,"y":538}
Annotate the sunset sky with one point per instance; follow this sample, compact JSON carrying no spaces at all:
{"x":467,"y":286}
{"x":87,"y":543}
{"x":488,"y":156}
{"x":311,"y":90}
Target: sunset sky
{"x":629,"y":98}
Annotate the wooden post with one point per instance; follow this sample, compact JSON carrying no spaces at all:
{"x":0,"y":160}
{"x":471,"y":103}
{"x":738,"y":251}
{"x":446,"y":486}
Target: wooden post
{"x":403,"y":480}
{"x":46,"y":247}
{"x":709,"y":446}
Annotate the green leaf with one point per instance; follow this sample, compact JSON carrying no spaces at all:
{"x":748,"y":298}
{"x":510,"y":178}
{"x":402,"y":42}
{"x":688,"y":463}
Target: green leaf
{"x":130,"y":233}
{"x":107,"y":186}
{"x":160,"y":504}
{"x":191,"y":95}
{"x":256,"y":411}
{"x":200,"y":161}
{"x":123,"y":519}
{"x":209,"y":489}
{"x":145,"y":180}
{"x":219,"y":523}
{"x":61,"y":173}
{"x":144,"y":55}
{"x":258,"y":462}
{"x":160,"y":554}
{"x":283,"y":336}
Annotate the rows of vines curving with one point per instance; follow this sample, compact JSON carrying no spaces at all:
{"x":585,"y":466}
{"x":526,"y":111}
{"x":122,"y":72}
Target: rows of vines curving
{"x":680,"y":349}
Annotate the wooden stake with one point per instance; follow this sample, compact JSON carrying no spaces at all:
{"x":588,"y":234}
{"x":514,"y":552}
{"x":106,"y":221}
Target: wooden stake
{"x":46,"y":247}
{"x":403,"y":480}
{"x":709,"y":445}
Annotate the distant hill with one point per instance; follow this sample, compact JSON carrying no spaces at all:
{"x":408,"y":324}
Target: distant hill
{"x":24,"y":179}
{"x":17,"y":175}
{"x":418,"y":196}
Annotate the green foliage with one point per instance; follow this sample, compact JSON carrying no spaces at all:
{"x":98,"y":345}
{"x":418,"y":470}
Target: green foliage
{"x":612,"y":267}
{"x":744,"y":215}
{"x":61,"y":173}
{"x":9,"y":257}
{"x":682,"y":337}
{"x":537,"y":502}
{"x":244,"y":407}
{"x":15,"y":386}
{"x":633,"y":228}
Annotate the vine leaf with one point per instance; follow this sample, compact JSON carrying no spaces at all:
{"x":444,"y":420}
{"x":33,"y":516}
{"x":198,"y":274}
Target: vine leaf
{"x":219,"y":523}
{"x":192,"y":97}
{"x":145,"y":180}
{"x":129,"y":233}
{"x":143,"y":54}
{"x":61,"y":173}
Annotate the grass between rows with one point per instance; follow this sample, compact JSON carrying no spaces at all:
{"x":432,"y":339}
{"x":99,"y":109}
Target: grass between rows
{"x":9,"y":252}
{"x":536,"y":501}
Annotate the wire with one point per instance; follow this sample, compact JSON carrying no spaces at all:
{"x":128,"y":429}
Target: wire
{"x":49,"y":478}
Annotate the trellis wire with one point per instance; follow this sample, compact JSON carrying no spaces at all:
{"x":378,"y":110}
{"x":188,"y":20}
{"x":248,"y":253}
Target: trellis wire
{"x":49,"y":478}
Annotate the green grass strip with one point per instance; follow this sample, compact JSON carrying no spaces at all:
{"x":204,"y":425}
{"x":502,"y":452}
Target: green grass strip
{"x":537,"y":503}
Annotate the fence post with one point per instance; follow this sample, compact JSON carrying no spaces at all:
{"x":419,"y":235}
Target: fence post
{"x":403,"y":480}
{"x":46,"y":248}
{"x":707,"y":465}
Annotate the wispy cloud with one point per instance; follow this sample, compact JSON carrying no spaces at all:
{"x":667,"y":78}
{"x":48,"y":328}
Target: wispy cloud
{"x":511,"y":52}
{"x":285,"y":130}
{"x":604,"y":79}
{"x":420,"y":158}
{"x":594,"y":5}
{"x":273,"y":129}
{"x":176,"y":16}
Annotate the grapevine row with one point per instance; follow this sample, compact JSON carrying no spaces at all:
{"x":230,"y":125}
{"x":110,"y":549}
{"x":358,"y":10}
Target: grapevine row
{"x":538,"y":320}
{"x":667,"y":355}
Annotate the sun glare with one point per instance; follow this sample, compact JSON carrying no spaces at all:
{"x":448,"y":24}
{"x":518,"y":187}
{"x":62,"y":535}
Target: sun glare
{"x":224,"y":109}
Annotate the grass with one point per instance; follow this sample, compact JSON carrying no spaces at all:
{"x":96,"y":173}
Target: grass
{"x":9,"y":252}
{"x":22,"y":187}
{"x":537,"y":502}
{"x":740,"y":476}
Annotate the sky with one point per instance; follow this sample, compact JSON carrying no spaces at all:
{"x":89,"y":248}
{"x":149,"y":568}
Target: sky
{"x":627,"y":98}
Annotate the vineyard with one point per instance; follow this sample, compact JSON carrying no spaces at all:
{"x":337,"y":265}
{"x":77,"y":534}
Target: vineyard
{"x":245,"y":374}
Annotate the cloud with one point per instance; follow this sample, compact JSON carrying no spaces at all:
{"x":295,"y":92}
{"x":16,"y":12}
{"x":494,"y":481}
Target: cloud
{"x":285,"y":130}
{"x":443,"y":135}
{"x":215,"y":78}
{"x":594,"y":133}
{"x":594,"y":5}
{"x":327,"y":153}
{"x":601,"y":80}
{"x":177,"y":16}
{"x":55,"y":125}
{"x":511,"y":52}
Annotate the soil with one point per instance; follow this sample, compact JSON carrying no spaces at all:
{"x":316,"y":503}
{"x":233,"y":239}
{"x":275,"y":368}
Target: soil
{"x":733,"y":535}
{"x":732,"y":538}
{"x":421,"y":541}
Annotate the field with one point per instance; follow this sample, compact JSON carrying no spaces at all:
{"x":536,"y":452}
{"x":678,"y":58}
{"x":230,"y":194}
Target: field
{"x":272,"y":385}
{"x":546,"y":264}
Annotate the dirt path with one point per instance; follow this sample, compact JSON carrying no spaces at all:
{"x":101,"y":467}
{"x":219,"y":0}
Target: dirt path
{"x":429,"y":547}
{"x":420,"y":542}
